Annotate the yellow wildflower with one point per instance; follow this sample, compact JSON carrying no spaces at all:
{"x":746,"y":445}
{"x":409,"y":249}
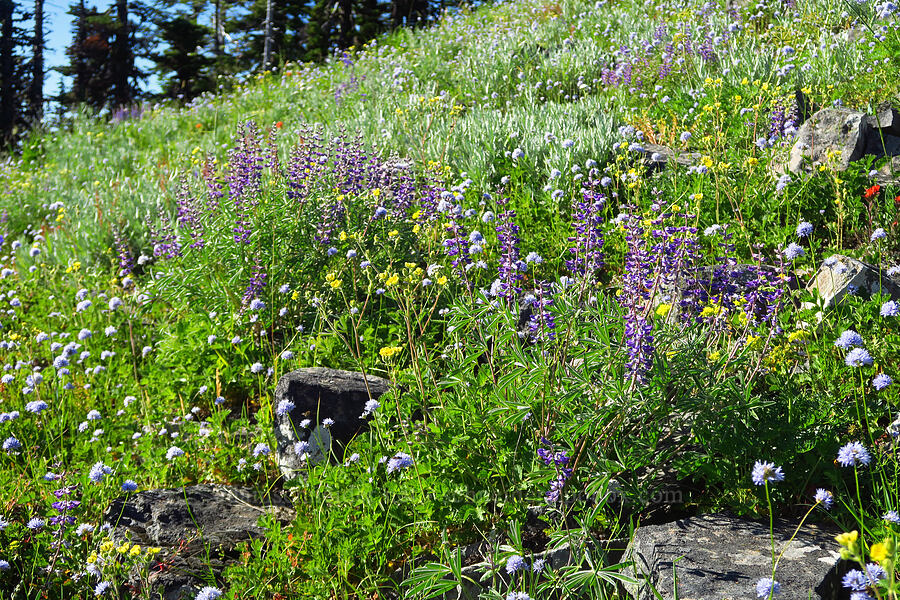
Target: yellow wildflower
{"x":878,"y":552}
{"x":847,"y":539}
{"x":663,"y":309}
{"x":442,"y":280}
{"x":392,"y":280}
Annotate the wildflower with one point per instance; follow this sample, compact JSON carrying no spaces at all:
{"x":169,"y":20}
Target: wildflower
{"x":327,"y":422}
{"x":284,"y":407}
{"x":793,"y":251}
{"x":370,"y":408}
{"x":83,"y":529}
{"x":766,"y":471}
{"x":767,"y":587}
{"x":101,"y":588}
{"x":11,"y":444}
{"x":881,"y":381}
{"x":173,"y":453}
{"x":518,"y":596}
{"x":848,"y":340}
{"x":518,"y":153}
{"x":890,"y":309}
{"x":4,"y":566}
{"x":804,"y":229}
{"x":399,"y":461}
{"x":35,"y":524}
{"x":302,"y":448}
{"x":129,"y":486}
{"x":256,"y":368}
{"x":219,"y":400}
{"x":855,"y":580}
{"x":853,"y":454}
{"x":261,"y":449}
{"x":891,"y":516}
{"x":858,"y":357}
{"x":538,"y":565}
{"x":36,"y":406}
{"x":209,"y":593}
{"x":257,"y":304}
{"x":287,"y":355}
{"x":825,"y":498}
{"x":877,"y":552}
{"x":515,"y":563}
{"x":872,"y":191}
{"x":98,"y":472}
{"x":878,"y":234}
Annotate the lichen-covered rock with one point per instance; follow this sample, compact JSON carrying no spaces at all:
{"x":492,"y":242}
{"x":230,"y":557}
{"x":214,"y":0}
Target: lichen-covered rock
{"x":712,"y":557}
{"x":317,"y":394}
{"x":197,"y":527}
{"x":841,"y":131}
{"x":841,"y":275}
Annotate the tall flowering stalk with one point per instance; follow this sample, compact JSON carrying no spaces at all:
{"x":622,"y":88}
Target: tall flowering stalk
{"x":123,"y":251}
{"x":587,"y":243}
{"x":511,"y":266}
{"x":637,"y":283}
{"x":541,"y":324}
{"x":188,"y":216}
{"x":244,"y":179}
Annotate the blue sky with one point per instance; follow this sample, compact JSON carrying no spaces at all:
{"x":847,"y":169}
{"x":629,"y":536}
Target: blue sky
{"x":58,"y":35}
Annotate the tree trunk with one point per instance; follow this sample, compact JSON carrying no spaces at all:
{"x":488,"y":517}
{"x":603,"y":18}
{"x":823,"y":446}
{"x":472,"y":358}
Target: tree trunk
{"x":7,"y":88}
{"x":36,"y":97}
{"x":346,"y":23}
{"x":121,"y":64}
{"x":267,"y":43}
{"x":217,"y":22}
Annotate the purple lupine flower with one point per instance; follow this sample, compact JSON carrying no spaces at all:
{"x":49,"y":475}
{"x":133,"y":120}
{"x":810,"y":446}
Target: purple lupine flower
{"x":244,"y":178}
{"x":587,"y":249}
{"x":188,"y":216}
{"x":636,"y":282}
{"x":126,"y":264}
{"x":256,"y":284}
{"x":541,"y":323}
{"x":509,"y":273}
{"x":163,"y":237}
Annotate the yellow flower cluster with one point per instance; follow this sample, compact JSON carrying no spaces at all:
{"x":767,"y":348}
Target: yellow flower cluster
{"x":389,"y":352}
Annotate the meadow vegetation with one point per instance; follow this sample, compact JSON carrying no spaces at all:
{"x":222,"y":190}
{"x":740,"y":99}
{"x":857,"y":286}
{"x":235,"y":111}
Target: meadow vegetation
{"x":465,"y":211}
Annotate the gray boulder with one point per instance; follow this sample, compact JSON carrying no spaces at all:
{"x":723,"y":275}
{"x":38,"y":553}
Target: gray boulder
{"x":712,"y":557}
{"x":841,"y":275}
{"x":197,"y":527}
{"x":831,"y":129}
{"x":318,"y":394}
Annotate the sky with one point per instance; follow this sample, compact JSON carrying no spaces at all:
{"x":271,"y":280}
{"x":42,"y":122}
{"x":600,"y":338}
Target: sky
{"x":58,"y":35}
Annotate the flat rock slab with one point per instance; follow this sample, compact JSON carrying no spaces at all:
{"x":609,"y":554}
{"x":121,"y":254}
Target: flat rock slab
{"x":714,"y":557}
{"x":319,"y":393}
{"x":830,"y":130}
{"x":198,"y":528}
{"x":841,"y":275}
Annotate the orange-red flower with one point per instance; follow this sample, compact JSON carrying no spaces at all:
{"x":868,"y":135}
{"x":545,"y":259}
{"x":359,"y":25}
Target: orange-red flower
{"x":872,"y":191}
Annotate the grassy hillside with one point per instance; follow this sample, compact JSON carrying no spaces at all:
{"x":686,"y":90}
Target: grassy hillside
{"x":392,"y":211}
